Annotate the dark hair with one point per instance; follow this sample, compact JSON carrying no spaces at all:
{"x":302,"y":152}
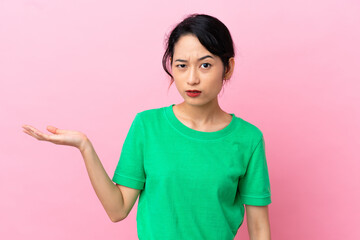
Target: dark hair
{"x":210,"y":31}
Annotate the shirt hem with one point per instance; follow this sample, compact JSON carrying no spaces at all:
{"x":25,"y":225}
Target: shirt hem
{"x":128,"y":182}
{"x":256,"y":201}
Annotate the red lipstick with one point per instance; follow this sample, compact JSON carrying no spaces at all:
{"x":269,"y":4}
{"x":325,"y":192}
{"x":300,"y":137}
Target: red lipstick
{"x":193,"y":93}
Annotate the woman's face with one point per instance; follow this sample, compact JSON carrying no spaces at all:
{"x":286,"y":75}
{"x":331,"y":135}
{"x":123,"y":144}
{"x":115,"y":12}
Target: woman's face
{"x":195,"y":68}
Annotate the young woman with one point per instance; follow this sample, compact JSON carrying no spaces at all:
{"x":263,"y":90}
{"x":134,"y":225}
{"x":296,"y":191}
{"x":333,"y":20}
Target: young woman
{"x":193,"y":165}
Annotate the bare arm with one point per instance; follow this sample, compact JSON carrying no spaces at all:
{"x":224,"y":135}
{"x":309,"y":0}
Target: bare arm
{"x":117,"y":200}
{"x":258,"y":222}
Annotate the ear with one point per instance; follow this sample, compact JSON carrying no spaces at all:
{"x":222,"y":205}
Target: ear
{"x":230,"y":68}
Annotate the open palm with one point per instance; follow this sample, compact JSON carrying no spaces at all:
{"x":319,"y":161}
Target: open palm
{"x":59,"y":136}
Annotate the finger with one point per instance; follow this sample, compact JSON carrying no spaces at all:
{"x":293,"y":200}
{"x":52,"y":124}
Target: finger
{"x":31,"y":128}
{"x":32,"y":134}
{"x":25,"y":126}
{"x":28,"y":128}
{"x":27,"y":132}
{"x":36,"y":133}
{"x":43,"y":137}
{"x":56,"y":130}
{"x":52,"y":129}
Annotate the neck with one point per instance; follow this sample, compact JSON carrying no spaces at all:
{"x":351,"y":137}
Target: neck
{"x":201,"y":113}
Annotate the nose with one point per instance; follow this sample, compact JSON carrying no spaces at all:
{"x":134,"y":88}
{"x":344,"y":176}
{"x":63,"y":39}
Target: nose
{"x":193,"y":77}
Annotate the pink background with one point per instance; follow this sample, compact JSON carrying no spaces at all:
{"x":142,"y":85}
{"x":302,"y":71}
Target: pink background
{"x":92,"y":65}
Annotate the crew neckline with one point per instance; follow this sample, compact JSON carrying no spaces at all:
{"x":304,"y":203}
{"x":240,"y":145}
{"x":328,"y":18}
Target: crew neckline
{"x":175,"y":122}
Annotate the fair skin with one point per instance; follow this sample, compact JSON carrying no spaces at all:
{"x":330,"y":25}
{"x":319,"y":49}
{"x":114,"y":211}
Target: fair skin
{"x":202,"y":113}
{"x":116,"y":199}
{"x":191,"y":69}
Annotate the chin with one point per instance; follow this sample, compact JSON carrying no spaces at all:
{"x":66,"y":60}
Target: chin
{"x":196,"y":103}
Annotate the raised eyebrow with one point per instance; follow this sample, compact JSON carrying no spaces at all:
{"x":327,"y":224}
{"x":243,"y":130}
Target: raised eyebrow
{"x":202,"y":58}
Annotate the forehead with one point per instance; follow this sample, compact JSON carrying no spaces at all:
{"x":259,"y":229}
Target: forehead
{"x":189,"y":45}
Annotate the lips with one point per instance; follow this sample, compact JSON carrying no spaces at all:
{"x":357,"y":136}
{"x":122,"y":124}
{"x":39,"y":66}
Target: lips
{"x":193,"y":93}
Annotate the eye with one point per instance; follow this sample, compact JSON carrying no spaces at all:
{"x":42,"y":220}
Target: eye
{"x":206,"y":65}
{"x":180,"y":66}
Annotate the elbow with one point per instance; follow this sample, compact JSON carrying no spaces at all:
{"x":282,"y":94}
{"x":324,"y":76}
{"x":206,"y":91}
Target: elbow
{"x":117,"y":218}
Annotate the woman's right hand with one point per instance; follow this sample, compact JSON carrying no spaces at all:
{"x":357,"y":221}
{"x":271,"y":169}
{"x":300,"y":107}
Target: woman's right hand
{"x":59,"y":136}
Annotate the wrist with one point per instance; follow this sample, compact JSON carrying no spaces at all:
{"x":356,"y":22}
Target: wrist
{"x":84,"y":145}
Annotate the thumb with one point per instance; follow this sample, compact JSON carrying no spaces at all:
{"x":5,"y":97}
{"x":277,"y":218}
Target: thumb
{"x":52,"y":129}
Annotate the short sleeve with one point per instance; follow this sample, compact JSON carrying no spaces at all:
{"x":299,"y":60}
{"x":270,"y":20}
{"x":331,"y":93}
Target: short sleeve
{"x":254,"y":186}
{"x":130,"y":168}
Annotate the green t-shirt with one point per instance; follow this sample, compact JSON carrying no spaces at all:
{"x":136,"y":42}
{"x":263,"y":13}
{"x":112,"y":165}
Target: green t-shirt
{"x":193,"y":183}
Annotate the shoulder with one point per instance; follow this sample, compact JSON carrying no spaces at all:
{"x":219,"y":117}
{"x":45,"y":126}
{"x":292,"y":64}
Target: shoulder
{"x":249,"y":127}
{"x":151,"y":112}
{"x":248,"y":130}
{"x":151,"y":115}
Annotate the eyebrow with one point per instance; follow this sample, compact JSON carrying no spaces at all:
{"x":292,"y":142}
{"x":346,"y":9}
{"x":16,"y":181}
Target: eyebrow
{"x":202,"y":58}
